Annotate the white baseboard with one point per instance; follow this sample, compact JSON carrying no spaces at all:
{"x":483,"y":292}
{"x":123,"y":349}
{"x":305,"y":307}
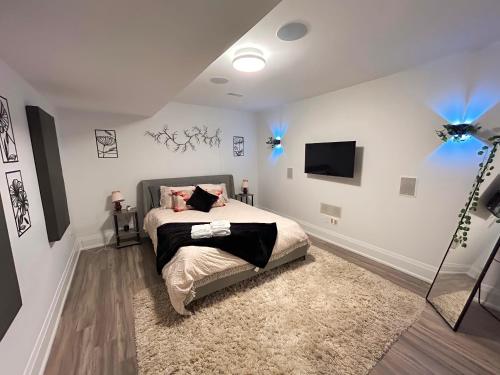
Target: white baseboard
{"x":400,"y":262}
{"x":95,"y":240}
{"x":40,"y":354}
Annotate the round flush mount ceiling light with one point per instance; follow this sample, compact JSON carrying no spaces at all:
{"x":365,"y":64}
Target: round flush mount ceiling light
{"x":292,"y":31}
{"x":219,"y":80}
{"x":249,"y":60}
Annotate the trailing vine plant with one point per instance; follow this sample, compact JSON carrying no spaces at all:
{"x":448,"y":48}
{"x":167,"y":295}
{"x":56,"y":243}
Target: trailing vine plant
{"x":485,"y":168}
{"x":192,"y":137}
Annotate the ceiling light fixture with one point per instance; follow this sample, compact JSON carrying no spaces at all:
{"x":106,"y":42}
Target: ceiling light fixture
{"x":249,"y":60}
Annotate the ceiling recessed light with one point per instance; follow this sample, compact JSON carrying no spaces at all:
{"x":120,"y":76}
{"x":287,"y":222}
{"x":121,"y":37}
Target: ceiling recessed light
{"x":249,"y":60}
{"x":219,"y":80}
{"x":235,"y":94}
{"x":292,"y":31}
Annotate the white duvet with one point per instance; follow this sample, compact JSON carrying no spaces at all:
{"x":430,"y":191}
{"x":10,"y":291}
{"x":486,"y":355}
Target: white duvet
{"x":194,"y":266}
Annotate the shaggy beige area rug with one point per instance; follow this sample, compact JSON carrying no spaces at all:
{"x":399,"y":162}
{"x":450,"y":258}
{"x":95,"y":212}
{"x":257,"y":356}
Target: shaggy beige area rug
{"x":323,"y":315}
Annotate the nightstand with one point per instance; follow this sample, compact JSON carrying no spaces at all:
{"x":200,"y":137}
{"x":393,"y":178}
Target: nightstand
{"x":240,"y":197}
{"x":126,"y":237}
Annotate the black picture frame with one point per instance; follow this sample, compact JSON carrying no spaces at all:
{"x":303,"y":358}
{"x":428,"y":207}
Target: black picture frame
{"x":8,"y":147}
{"x":106,"y":143}
{"x":238,"y":146}
{"x":19,"y":201}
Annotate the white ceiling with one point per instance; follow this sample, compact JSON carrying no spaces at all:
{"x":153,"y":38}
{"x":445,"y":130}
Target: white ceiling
{"x":348,"y":42}
{"x":129,"y":56}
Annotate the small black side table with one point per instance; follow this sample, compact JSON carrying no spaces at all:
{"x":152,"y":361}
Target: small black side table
{"x":240,"y":197}
{"x":126,"y":237}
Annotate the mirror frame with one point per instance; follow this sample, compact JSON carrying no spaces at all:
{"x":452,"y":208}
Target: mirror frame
{"x":478,"y":282}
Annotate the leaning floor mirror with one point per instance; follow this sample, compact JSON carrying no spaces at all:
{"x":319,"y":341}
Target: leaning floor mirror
{"x":473,"y":250}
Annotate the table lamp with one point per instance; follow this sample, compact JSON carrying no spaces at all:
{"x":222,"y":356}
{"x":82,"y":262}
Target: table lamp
{"x":116,"y":198}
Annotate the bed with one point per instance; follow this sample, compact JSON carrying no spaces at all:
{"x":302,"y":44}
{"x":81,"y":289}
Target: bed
{"x":196,"y":271}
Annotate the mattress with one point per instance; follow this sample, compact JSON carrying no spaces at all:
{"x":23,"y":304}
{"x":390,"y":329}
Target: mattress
{"x":192,"y":265}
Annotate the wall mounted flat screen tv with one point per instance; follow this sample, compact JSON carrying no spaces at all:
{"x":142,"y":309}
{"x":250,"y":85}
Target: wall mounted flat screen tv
{"x":331,"y":158}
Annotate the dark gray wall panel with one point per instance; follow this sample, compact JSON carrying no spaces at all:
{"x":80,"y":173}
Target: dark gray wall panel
{"x":49,"y":171}
{"x":10,"y":295}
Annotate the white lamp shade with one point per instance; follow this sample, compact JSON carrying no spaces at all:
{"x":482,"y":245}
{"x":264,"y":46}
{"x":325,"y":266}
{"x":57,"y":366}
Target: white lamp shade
{"x":244,"y":184}
{"x":116,"y":196}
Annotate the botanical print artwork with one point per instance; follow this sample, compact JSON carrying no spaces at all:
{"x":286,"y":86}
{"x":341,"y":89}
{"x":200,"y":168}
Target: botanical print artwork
{"x":189,"y":138}
{"x":19,"y":201}
{"x":105,"y":141}
{"x":7,"y":140}
{"x":238,"y":146}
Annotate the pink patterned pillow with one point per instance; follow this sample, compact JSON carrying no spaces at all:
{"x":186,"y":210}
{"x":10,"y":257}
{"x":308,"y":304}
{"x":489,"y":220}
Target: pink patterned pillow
{"x":179,"y":199}
{"x":219,"y":202}
{"x":166,"y":194}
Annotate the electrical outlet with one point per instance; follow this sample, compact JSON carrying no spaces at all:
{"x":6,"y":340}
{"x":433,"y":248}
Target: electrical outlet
{"x":330,"y":220}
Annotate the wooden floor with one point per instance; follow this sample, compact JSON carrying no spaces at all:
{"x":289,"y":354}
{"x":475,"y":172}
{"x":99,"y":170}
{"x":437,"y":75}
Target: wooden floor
{"x":96,"y":331}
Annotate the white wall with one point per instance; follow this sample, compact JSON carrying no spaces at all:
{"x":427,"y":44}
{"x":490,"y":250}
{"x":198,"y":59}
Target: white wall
{"x":393,"y":119}
{"x":90,"y":180}
{"x":40,"y":266}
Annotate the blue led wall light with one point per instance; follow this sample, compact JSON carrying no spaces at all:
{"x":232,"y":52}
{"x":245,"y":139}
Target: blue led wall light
{"x":457,"y":132}
{"x":274,"y":142}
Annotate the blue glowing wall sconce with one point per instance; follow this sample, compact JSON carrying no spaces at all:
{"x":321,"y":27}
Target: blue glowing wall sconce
{"x":457,"y":132}
{"x":274,"y":142}
{"x":278,"y":130}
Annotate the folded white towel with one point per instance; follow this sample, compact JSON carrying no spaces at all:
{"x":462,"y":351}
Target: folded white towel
{"x":225,"y":224}
{"x":201,"y":231}
{"x":219,"y":228}
{"x":221,"y":232}
{"x":201,"y":228}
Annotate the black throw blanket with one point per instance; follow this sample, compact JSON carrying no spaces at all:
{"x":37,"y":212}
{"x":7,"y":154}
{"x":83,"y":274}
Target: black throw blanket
{"x":253,"y":242}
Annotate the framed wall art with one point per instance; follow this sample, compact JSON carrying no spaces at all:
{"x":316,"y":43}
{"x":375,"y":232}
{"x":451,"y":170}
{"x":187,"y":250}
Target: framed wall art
{"x":19,"y":201}
{"x":106,"y":144}
{"x":238,"y":146}
{"x":8,"y":147}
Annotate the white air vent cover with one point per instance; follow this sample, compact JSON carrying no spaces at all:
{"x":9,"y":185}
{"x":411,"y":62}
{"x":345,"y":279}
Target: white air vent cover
{"x":408,"y":186}
{"x":330,"y":210}
{"x":289,"y":173}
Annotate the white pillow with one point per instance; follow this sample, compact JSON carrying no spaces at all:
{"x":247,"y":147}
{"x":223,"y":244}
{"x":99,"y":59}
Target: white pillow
{"x":221,"y":186}
{"x":166,"y":194}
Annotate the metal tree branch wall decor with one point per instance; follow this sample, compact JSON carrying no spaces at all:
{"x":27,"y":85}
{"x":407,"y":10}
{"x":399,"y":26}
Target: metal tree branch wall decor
{"x":188,"y":140}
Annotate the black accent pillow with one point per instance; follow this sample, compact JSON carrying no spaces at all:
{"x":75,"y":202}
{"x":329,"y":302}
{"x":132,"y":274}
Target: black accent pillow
{"x":202,"y":200}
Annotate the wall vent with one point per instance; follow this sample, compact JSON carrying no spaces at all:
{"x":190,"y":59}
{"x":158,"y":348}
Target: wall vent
{"x":408,"y":186}
{"x":289,"y":173}
{"x":330,"y":210}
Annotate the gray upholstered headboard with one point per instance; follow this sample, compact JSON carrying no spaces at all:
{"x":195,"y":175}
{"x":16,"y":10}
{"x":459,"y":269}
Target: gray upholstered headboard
{"x":147,"y":189}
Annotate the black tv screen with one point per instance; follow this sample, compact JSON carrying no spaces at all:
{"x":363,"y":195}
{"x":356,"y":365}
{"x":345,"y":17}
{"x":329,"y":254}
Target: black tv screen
{"x":331,"y":159}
